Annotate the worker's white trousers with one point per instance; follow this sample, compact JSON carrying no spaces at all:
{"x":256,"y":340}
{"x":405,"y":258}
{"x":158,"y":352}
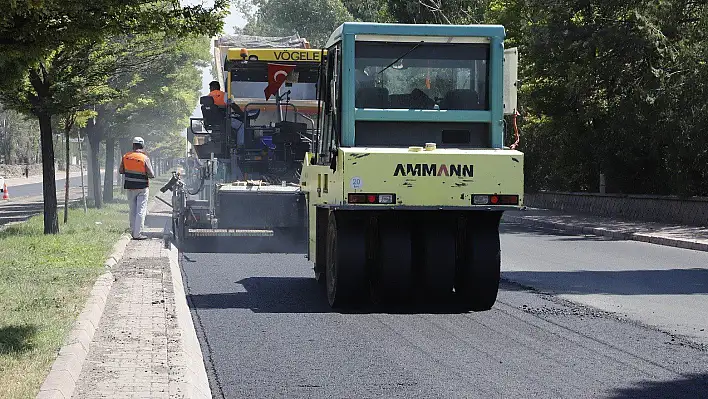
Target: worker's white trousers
{"x":138,"y":200}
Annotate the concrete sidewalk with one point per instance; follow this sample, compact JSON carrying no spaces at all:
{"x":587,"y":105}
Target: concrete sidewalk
{"x":145,"y":344}
{"x":687,"y":237}
{"x":128,"y":355}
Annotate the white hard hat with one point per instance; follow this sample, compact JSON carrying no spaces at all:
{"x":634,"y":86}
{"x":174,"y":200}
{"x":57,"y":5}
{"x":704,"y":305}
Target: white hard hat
{"x":138,"y":140}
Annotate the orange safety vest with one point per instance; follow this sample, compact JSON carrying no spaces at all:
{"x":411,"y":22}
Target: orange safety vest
{"x":135,"y":167}
{"x":219,"y":97}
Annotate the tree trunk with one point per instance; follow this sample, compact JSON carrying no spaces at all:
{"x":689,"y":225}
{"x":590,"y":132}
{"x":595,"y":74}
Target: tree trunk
{"x":49,"y":184}
{"x":95,"y":174}
{"x":110,"y":166}
{"x":66,"y":183}
{"x":125,"y":147}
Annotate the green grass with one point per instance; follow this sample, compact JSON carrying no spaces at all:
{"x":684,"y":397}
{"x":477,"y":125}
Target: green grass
{"x":44,"y":282}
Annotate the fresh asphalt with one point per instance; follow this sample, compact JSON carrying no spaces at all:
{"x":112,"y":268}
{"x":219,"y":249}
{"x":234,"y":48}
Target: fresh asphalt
{"x":266,"y":329}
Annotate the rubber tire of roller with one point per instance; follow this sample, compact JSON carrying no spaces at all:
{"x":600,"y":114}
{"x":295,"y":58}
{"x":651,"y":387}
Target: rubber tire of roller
{"x":395,"y":263}
{"x":346,"y":261}
{"x":320,"y":266}
{"x":479,"y":282}
{"x":438,"y":271}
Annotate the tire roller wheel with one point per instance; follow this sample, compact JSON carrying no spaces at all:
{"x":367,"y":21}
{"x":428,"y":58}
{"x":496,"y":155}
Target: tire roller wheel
{"x":477,"y":281}
{"x":320,"y":267}
{"x":394,"y":273}
{"x":436,"y":277}
{"x":346,"y":261}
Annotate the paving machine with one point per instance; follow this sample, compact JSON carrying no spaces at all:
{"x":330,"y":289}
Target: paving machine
{"x":243,"y":174}
{"x":406,"y":176}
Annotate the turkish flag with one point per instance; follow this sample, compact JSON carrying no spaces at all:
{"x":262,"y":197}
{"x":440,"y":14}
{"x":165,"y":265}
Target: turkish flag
{"x":276,"y":77}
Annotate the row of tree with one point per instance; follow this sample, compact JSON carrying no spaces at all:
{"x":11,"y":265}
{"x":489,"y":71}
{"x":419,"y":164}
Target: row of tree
{"x":116,"y":69}
{"x":613,"y":87}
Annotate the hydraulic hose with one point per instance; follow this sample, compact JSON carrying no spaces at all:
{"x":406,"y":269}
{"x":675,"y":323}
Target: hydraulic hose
{"x":201,"y":183}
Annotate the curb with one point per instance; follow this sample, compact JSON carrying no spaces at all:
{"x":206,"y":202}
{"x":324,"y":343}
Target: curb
{"x":118,"y":251}
{"x":65,"y":371}
{"x":618,"y":235}
{"x":194,"y":382}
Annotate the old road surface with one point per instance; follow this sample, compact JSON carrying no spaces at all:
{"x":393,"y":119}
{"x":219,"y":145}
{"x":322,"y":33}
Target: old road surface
{"x":266,"y":329}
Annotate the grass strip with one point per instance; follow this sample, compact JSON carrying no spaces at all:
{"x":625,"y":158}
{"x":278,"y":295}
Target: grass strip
{"x":44,"y":283}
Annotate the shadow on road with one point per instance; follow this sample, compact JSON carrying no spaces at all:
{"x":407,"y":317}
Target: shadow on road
{"x":622,"y":282}
{"x":691,"y":386}
{"x":18,"y":212}
{"x":15,"y":340}
{"x":21,"y":211}
{"x":269,"y":295}
{"x":514,"y":228}
{"x":304,"y":295}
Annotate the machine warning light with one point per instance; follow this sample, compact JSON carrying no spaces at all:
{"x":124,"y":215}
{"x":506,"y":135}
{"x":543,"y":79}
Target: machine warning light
{"x":371,"y":198}
{"x":487,"y":199}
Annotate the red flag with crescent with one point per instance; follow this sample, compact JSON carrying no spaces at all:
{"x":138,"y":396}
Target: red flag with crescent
{"x":276,"y":77}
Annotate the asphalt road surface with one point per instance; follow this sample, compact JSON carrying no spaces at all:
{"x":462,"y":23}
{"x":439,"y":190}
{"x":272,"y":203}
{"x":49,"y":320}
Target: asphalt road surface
{"x":267,"y":331}
{"x":26,"y":200}
{"x":30,"y":190}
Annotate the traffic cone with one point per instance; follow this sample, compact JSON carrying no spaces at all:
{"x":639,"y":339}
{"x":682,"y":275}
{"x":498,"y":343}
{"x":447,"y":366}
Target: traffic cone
{"x":5,"y":194}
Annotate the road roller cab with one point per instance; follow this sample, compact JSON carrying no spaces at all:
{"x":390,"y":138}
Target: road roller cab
{"x":409,"y":176}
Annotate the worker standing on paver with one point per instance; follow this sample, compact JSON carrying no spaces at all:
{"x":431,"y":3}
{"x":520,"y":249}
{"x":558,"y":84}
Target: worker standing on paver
{"x":137,"y":169}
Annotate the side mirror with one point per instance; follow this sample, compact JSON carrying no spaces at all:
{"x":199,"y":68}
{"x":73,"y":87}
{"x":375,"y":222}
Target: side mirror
{"x":196,"y":126}
{"x":511,"y":80}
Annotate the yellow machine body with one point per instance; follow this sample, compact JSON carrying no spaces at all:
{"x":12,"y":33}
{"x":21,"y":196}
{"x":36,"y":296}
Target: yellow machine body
{"x":445,"y":179}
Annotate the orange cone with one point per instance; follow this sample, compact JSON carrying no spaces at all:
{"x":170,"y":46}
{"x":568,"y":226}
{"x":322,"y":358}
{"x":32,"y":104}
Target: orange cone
{"x":5,"y":194}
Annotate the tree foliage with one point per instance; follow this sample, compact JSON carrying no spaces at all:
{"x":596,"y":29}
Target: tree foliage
{"x":612,"y":87}
{"x":158,"y":97}
{"x":31,"y":30}
{"x":438,"y":11}
{"x":312,"y":19}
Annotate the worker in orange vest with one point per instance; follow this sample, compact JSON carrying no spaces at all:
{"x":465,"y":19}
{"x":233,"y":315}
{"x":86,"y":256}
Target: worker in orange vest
{"x":137,"y":170}
{"x":220,"y":101}
{"x":218,"y":95}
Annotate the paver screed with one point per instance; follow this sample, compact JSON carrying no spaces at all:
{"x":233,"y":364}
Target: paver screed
{"x":129,"y":355}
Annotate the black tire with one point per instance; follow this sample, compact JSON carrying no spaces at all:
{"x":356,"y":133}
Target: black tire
{"x":394,"y":271}
{"x":477,"y":280}
{"x":346,"y":261}
{"x":437,"y":273}
{"x":320,"y":264}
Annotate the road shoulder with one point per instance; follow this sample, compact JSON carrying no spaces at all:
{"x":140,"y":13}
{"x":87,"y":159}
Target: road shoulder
{"x":593,"y":261}
{"x":686,"y":237}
